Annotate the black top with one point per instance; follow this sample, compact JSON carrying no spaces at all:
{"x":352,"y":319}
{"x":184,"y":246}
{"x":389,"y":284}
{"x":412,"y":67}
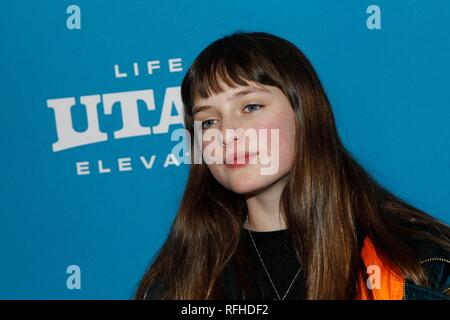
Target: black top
{"x":277,"y":252}
{"x":279,"y":257}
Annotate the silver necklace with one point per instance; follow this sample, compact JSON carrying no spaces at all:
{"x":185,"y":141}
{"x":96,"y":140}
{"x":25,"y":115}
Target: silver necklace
{"x":267,"y":272}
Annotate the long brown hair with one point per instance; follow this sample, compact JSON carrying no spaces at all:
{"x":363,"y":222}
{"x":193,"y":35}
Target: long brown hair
{"x":327,"y":195}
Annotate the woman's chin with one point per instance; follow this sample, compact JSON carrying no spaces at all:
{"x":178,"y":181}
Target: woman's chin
{"x":248,"y":186}
{"x":243,"y":180}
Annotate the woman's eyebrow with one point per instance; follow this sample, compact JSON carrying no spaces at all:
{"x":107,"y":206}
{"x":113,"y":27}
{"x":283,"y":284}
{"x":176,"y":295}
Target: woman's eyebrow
{"x":247,"y":91}
{"x":241,"y":93}
{"x":197,"y":109}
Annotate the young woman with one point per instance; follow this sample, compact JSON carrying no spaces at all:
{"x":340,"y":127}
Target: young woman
{"x":320,"y":227}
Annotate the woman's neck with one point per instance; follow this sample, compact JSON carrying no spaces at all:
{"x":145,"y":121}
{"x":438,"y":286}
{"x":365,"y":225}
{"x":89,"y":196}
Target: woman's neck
{"x":265,"y":225}
{"x":264,"y":212}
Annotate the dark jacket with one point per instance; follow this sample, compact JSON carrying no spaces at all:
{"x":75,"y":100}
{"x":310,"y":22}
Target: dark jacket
{"x":436,"y":263}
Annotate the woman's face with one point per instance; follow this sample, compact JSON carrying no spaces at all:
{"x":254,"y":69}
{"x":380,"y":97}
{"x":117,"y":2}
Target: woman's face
{"x":249,"y":109}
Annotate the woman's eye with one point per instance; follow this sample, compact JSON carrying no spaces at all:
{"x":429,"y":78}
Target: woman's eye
{"x":253,"y":107}
{"x":207,"y":123}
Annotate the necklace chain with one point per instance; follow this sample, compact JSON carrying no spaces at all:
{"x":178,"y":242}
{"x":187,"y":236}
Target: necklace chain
{"x":267,"y":272}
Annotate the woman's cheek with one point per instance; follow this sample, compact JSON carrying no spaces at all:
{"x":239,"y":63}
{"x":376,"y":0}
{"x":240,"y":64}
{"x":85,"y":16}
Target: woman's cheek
{"x":280,"y":143}
{"x":269,"y":140}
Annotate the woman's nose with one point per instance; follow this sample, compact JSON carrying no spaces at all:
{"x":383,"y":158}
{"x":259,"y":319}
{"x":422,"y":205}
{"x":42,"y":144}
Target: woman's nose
{"x":231,"y":135}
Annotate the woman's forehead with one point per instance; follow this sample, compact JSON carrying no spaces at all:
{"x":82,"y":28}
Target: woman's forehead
{"x":236,"y":90}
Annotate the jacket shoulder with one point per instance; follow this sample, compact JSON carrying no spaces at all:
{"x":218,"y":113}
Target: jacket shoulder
{"x":437,"y":268}
{"x":435,"y":260}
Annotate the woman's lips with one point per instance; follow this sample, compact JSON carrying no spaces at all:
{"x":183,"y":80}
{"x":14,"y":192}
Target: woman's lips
{"x":240,"y":162}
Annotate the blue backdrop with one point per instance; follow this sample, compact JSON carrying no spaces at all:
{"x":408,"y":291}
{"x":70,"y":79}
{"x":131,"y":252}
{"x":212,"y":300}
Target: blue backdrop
{"x":71,"y":229}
